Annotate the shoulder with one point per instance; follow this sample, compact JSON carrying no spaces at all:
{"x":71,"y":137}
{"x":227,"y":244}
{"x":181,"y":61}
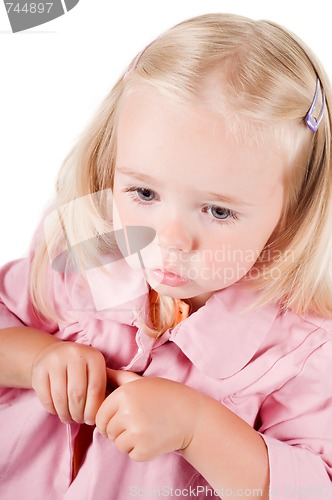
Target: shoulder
{"x":307,"y":326}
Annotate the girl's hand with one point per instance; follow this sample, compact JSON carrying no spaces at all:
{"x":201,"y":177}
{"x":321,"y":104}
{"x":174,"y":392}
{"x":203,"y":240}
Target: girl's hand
{"x":148,"y":416}
{"x":70,"y":381}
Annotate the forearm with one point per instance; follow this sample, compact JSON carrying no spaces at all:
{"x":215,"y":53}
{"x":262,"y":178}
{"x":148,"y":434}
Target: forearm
{"x":19,"y":347}
{"x":228,"y":452}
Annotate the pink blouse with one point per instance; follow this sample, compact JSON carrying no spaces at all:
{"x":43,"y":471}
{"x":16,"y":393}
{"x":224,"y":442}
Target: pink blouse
{"x":272,"y":369}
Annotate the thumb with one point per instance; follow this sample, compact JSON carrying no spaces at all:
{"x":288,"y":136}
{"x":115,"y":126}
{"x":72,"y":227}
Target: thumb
{"x":115,"y":378}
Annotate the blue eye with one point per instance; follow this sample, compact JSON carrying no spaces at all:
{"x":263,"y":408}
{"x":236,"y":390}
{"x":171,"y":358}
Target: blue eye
{"x":218,"y":212}
{"x":221,"y":214}
{"x":140,"y":195}
{"x":145,"y":194}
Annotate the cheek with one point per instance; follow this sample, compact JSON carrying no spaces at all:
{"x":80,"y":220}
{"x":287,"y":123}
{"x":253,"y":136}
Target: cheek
{"x":125,"y":212}
{"x":231,"y":258}
{"x":231,"y":248}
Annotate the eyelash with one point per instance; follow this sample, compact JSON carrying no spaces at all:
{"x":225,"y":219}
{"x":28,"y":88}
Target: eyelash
{"x":134,"y":190}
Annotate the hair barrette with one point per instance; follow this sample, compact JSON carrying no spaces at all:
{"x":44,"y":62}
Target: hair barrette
{"x":312,"y":122}
{"x":134,"y":64}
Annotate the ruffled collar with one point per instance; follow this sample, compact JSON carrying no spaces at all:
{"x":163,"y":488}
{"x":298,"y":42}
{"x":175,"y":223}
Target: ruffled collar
{"x":221,"y":337}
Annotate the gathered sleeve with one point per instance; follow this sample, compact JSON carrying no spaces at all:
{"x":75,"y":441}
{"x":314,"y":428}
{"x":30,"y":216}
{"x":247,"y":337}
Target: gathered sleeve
{"x":16,"y":308}
{"x":297,"y":429}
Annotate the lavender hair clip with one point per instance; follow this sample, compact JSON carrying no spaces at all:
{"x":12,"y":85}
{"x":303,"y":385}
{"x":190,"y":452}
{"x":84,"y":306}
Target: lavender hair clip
{"x":311,"y":121}
{"x":139,"y":55}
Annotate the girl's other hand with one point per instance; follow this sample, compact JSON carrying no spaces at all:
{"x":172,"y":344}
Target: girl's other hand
{"x":148,"y":416}
{"x":70,"y":381}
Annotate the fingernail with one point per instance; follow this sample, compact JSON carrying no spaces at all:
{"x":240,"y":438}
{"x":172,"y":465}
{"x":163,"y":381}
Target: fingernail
{"x":89,"y":422}
{"x":102,"y":433}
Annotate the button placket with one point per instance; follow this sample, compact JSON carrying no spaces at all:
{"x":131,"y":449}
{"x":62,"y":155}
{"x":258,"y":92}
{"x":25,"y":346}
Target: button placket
{"x":140,"y":360}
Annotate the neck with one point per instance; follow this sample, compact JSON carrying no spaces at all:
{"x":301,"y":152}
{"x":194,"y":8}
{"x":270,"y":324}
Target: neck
{"x":198,"y":301}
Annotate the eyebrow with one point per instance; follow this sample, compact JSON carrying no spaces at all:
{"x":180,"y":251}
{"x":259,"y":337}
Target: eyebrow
{"x":233,"y":200}
{"x":139,"y":176}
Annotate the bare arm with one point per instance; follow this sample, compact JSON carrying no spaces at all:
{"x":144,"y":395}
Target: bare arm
{"x":149,"y":416}
{"x":228,"y":452}
{"x":19,"y":347}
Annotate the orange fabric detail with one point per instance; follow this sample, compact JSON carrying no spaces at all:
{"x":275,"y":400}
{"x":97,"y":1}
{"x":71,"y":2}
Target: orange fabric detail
{"x":182,"y":311}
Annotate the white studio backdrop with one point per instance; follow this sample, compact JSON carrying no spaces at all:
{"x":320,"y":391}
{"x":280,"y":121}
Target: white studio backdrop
{"x":54,"y":76}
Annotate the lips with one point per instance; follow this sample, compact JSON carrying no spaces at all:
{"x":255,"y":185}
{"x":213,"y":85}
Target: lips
{"x":169,"y":278}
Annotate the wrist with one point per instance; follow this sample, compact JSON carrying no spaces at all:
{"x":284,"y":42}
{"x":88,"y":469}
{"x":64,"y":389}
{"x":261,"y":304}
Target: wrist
{"x":43,"y":349}
{"x":193,"y":426}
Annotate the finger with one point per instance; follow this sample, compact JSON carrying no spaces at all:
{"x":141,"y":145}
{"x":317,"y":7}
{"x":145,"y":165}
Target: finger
{"x":41,"y":386}
{"x":105,"y":413}
{"x":77,"y":390}
{"x":115,"y":427}
{"x":95,"y":393}
{"x":120,"y":377}
{"x":58,"y":387}
{"x":124,"y":442}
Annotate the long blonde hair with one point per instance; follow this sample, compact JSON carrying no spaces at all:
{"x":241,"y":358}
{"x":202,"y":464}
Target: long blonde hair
{"x":268,"y":76}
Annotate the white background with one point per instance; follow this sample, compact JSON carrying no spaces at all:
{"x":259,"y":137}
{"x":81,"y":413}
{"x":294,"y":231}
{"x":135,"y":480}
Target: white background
{"x":53,"y":77}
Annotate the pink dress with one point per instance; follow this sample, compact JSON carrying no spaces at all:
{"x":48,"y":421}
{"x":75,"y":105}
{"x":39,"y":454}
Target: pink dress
{"x":271,"y":369}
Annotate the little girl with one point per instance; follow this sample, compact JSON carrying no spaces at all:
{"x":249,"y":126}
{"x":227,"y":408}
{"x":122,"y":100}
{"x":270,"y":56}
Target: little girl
{"x":170,"y":332}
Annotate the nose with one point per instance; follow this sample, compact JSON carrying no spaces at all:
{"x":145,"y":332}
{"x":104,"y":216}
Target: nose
{"x":175,"y":234}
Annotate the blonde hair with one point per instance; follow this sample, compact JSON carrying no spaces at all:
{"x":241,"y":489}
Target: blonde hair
{"x":267,"y":76}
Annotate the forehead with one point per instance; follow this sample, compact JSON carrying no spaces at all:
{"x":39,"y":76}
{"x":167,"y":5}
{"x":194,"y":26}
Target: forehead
{"x":160,"y":135}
